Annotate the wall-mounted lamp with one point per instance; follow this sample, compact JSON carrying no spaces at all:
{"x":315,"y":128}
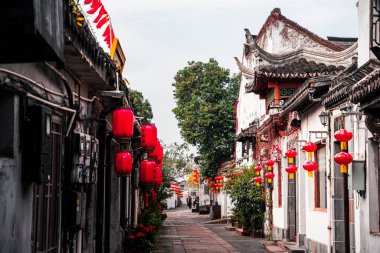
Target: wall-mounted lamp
{"x":324,"y":118}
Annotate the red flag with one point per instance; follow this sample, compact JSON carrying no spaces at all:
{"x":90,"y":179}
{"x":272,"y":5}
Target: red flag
{"x":102,"y":22}
{"x":100,"y":14}
{"x":96,"y":4}
{"x":107,"y":31}
{"x":87,"y":1}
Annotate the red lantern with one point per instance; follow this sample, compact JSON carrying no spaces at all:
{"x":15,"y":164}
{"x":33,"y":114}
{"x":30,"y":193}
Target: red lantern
{"x":158,"y":177}
{"x":310,"y":148}
{"x":310,"y":166}
{"x":343,"y":136}
{"x":258,"y":180}
{"x":212,"y":186}
{"x":269,"y":163}
{"x":156,"y":152}
{"x":123,"y":163}
{"x":147,"y":169}
{"x":343,"y":159}
{"x":257,"y":169}
{"x":148,"y":137}
{"x":269,"y":176}
{"x":291,"y":170}
{"x":122,"y":123}
{"x":240,"y":172}
{"x":291,"y":153}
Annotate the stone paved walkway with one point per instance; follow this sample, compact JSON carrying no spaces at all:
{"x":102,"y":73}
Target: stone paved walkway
{"x":184,"y":231}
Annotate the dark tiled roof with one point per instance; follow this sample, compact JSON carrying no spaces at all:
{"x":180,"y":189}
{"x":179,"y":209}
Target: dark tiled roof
{"x":342,"y":42}
{"x":341,"y":89}
{"x":301,"y":101}
{"x":367,"y":88}
{"x":247,"y":133}
{"x":300,"y":68}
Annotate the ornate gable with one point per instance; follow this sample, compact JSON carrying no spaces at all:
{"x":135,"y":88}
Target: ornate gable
{"x":281,"y":35}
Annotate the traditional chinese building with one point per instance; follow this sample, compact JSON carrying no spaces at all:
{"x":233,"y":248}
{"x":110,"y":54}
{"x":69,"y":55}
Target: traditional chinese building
{"x":286,"y":69}
{"x":59,"y":191}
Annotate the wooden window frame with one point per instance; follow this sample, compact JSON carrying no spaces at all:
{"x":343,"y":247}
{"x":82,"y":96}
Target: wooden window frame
{"x":317,"y":184}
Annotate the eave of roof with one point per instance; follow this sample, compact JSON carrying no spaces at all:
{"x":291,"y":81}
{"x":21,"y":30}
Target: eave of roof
{"x":341,"y":90}
{"x":366,"y":89}
{"x":301,"y":101}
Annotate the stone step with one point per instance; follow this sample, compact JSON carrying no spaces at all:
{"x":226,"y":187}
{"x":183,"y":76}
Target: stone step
{"x":274,"y":249}
{"x":230,"y":228}
{"x":290,"y":247}
{"x":240,"y":231}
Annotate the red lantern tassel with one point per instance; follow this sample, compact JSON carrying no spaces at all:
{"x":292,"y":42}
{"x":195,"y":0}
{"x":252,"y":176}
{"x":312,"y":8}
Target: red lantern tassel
{"x":343,"y":168}
{"x":291,"y":175}
{"x":310,"y":173}
{"x":147,"y":199}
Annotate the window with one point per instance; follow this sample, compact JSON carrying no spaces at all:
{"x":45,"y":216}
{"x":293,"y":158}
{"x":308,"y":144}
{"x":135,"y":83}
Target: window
{"x":47,"y":199}
{"x":375,"y":23}
{"x":320,"y":178}
{"x":245,"y":147}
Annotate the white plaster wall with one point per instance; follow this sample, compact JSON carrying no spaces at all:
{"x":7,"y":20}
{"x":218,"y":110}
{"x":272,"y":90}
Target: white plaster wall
{"x":280,"y":212}
{"x":316,"y":223}
{"x":364,"y":26}
{"x":171,"y":202}
{"x":280,"y":39}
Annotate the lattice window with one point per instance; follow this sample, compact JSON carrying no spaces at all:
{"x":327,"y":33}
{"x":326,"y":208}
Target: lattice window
{"x":376,"y":23}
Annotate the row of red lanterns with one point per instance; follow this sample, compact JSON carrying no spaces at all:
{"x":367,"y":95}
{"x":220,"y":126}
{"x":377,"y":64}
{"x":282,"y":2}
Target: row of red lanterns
{"x":343,"y":158}
{"x":122,"y":129}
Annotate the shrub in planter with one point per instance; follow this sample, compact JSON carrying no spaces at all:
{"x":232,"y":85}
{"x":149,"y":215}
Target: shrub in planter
{"x":248,"y":200}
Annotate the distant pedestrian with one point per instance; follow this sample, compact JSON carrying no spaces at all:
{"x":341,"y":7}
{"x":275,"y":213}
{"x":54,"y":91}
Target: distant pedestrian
{"x":189,"y":202}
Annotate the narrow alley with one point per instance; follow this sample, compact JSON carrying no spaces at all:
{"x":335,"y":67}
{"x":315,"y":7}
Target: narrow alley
{"x":184,"y":231}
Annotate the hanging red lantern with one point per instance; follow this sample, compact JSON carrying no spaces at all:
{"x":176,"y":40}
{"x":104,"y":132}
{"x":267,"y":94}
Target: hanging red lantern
{"x":343,"y":136}
{"x":310,"y":148}
{"x":291,"y":153}
{"x":291,"y":170}
{"x":147,"y":170}
{"x":257,"y":180}
{"x":240,"y":172}
{"x":148,"y":137}
{"x":257,"y":169}
{"x":156,"y":152}
{"x":343,"y":159}
{"x":158,"y":177}
{"x":122,"y":123}
{"x":123,"y":163}
{"x":269,"y":163}
{"x":269,"y":176}
{"x":310,"y":166}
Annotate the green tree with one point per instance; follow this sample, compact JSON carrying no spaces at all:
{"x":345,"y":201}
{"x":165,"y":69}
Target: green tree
{"x":205,"y":94}
{"x":144,"y":108}
{"x":178,"y":159}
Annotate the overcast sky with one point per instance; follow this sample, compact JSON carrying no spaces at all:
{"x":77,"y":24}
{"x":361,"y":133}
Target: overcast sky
{"x":159,"y":37}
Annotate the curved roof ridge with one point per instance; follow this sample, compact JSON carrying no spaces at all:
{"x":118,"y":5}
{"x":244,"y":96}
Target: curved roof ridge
{"x":276,"y":15}
{"x":315,"y":55}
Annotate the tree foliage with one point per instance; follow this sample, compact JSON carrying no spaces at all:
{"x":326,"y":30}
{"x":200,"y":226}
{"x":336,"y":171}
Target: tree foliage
{"x":205,"y":94}
{"x":143,"y":106}
{"x":178,"y":160}
{"x":248,"y":199}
